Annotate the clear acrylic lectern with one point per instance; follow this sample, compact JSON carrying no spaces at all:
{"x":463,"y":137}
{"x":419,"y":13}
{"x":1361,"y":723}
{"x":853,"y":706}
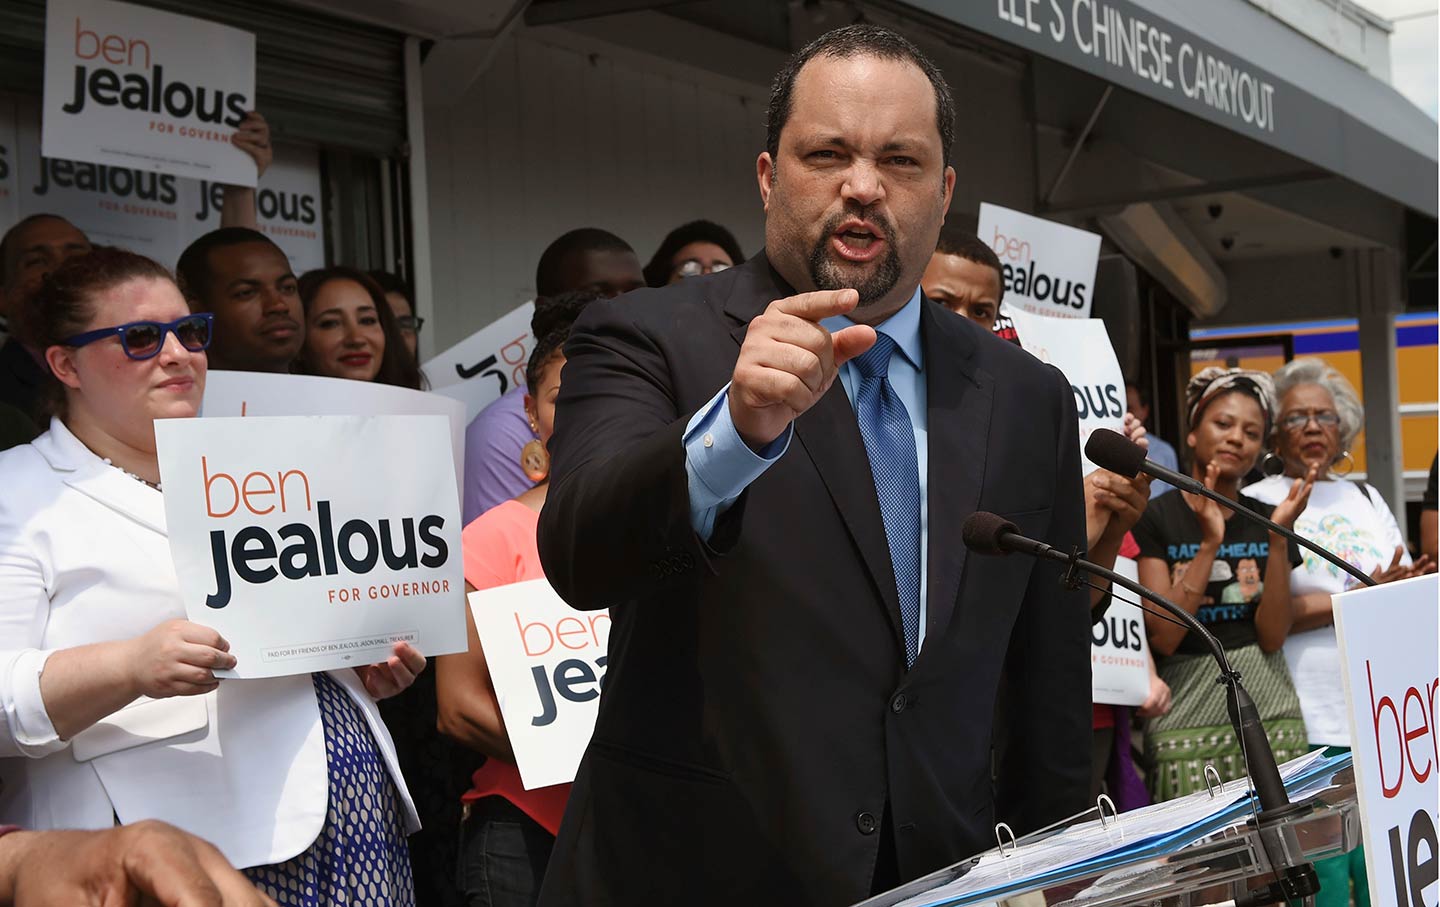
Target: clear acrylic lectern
{"x":1201,"y":849}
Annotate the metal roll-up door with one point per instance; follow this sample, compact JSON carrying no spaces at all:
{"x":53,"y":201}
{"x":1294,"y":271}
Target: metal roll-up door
{"x":319,"y":80}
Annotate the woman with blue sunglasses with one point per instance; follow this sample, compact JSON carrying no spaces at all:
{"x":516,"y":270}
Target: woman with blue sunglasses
{"x":109,"y":707}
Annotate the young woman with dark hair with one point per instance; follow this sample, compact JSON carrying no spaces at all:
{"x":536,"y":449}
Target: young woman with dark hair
{"x":350,"y":331}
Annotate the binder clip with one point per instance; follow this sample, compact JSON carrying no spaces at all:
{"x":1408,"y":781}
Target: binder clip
{"x":1113,"y":821}
{"x":1000,"y":840}
{"x":1218,"y":786}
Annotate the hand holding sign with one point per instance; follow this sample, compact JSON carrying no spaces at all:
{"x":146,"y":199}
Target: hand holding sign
{"x":788,"y":362}
{"x":253,"y":137}
{"x":394,"y":675}
{"x":178,"y":658}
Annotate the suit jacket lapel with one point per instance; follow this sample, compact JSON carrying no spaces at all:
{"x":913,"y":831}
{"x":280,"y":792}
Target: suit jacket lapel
{"x":88,"y":474}
{"x":830,"y":436}
{"x":959,"y":398}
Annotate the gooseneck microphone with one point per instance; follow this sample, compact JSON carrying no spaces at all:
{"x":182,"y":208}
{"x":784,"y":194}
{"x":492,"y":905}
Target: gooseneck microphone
{"x":1117,"y":453}
{"x":987,"y":533}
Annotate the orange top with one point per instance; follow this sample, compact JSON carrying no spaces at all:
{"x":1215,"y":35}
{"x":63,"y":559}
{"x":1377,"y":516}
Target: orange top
{"x":499,"y":548}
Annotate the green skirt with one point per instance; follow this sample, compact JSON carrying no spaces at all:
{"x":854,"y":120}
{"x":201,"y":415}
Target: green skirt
{"x":1196,"y":731}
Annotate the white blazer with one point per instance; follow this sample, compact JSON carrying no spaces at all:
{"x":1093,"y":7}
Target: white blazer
{"x":84,"y":558}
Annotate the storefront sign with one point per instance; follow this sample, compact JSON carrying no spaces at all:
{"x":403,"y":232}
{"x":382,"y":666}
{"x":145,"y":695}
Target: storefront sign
{"x":478,"y":369}
{"x":1126,"y":39}
{"x":1119,"y":650}
{"x":1389,"y":658}
{"x":1081,"y":350}
{"x":315,"y":543}
{"x":1046,"y":268}
{"x":248,"y":394}
{"x":547,"y":661}
{"x":133,"y":87}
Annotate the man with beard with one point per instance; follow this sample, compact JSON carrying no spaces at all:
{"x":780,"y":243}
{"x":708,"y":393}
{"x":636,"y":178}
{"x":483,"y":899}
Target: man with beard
{"x":241,"y":276}
{"x":764,"y":473}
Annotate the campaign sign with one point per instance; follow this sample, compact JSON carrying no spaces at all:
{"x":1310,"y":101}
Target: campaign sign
{"x":1081,"y":350}
{"x":479,"y":369}
{"x":287,"y":206}
{"x":547,"y":662}
{"x":1390,"y":657}
{"x":315,"y":542}
{"x":1046,"y":268}
{"x":1119,"y":651}
{"x":9,"y":160}
{"x":155,"y":214}
{"x":133,"y":87}
{"x":126,"y":206}
{"x":230,"y":393}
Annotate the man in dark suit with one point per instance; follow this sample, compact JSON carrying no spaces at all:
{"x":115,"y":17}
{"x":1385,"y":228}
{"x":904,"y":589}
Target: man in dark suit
{"x":763,"y":473}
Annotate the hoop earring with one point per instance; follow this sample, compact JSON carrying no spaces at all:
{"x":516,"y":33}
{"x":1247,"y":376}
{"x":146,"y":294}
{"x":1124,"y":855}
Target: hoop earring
{"x":535,"y":461}
{"x":1344,"y":455}
{"x":1272,"y":464}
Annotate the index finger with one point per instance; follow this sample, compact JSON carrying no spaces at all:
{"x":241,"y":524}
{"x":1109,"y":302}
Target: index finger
{"x":819,"y":304}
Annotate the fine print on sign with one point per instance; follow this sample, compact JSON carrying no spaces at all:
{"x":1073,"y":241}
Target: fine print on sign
{"x":1046,"y":268}
{"x":1388,"y":654}
{"x":288,"y":546}
{"x":132,"y":86}
{"x":547,"y":662}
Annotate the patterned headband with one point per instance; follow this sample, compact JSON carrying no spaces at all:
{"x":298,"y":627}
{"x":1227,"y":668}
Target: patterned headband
{"x":1214,"y":381}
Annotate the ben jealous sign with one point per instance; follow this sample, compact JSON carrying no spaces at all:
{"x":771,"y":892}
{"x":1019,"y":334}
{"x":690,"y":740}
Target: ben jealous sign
{"x":130,"y":86}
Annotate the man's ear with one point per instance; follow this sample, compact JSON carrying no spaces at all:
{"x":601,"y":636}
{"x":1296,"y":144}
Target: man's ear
{"x":61,"y":360}
{"x":765,"y":177}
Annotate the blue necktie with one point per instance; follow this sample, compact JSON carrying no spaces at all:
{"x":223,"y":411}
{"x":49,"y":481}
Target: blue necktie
{"x":889,"y":440}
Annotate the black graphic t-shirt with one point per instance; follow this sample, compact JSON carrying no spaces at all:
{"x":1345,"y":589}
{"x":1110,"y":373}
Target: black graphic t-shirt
{"x":1168,"y":530}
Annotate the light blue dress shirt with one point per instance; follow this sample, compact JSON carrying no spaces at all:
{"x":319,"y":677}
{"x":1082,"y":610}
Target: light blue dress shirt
{"x":720,"y":465}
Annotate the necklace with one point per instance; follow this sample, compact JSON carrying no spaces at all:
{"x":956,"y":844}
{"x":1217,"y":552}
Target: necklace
{"x":141,"y":480}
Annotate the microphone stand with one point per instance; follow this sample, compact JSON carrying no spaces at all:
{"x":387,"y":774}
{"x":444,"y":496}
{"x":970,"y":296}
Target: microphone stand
{"x":1296,"y":878}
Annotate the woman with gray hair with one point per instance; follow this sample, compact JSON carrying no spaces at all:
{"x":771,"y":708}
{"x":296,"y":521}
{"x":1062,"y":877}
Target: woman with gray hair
{"x":1319,"y":416}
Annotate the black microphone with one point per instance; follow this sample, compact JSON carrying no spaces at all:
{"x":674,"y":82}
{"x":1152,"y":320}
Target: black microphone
{"x":987,"y":533}
{"x":1117,"y":453}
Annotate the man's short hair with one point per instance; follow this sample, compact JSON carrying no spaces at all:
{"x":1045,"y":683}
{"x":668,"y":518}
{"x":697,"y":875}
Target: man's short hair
{"x":858,"y":41}
{"x":9,"y":238}
{"x":193,"y":270}
{"x":550,"y":273}
{"x":972,"y":248}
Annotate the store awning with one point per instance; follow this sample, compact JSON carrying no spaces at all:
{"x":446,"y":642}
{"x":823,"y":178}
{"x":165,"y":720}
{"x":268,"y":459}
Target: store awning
{"x":1228,"y":62}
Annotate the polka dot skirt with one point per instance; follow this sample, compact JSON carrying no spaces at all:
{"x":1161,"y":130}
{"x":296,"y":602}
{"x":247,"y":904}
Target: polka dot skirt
{"x":360,"y":857}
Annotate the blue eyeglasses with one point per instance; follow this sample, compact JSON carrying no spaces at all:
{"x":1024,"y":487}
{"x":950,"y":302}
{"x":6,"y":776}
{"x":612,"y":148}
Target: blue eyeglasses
{"x":144,"y":339}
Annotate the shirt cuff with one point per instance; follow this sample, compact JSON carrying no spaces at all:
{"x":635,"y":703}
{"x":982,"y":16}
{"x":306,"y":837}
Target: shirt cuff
{"x":30,"y":727}
{"x":719,"y":464}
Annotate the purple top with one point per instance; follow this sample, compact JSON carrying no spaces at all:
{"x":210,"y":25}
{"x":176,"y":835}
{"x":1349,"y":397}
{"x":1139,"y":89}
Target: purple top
{"x":492,"y":454}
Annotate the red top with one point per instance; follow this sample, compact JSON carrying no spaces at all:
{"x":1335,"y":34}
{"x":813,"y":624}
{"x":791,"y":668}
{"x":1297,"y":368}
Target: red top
{"x":498,"y":549}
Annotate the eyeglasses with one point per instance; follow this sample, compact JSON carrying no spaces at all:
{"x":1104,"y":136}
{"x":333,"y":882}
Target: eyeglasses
{"x":1325,"y":418}
{"x":145,"y":339}
{"x":694,"y":267}
{"x":410,"y":324}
